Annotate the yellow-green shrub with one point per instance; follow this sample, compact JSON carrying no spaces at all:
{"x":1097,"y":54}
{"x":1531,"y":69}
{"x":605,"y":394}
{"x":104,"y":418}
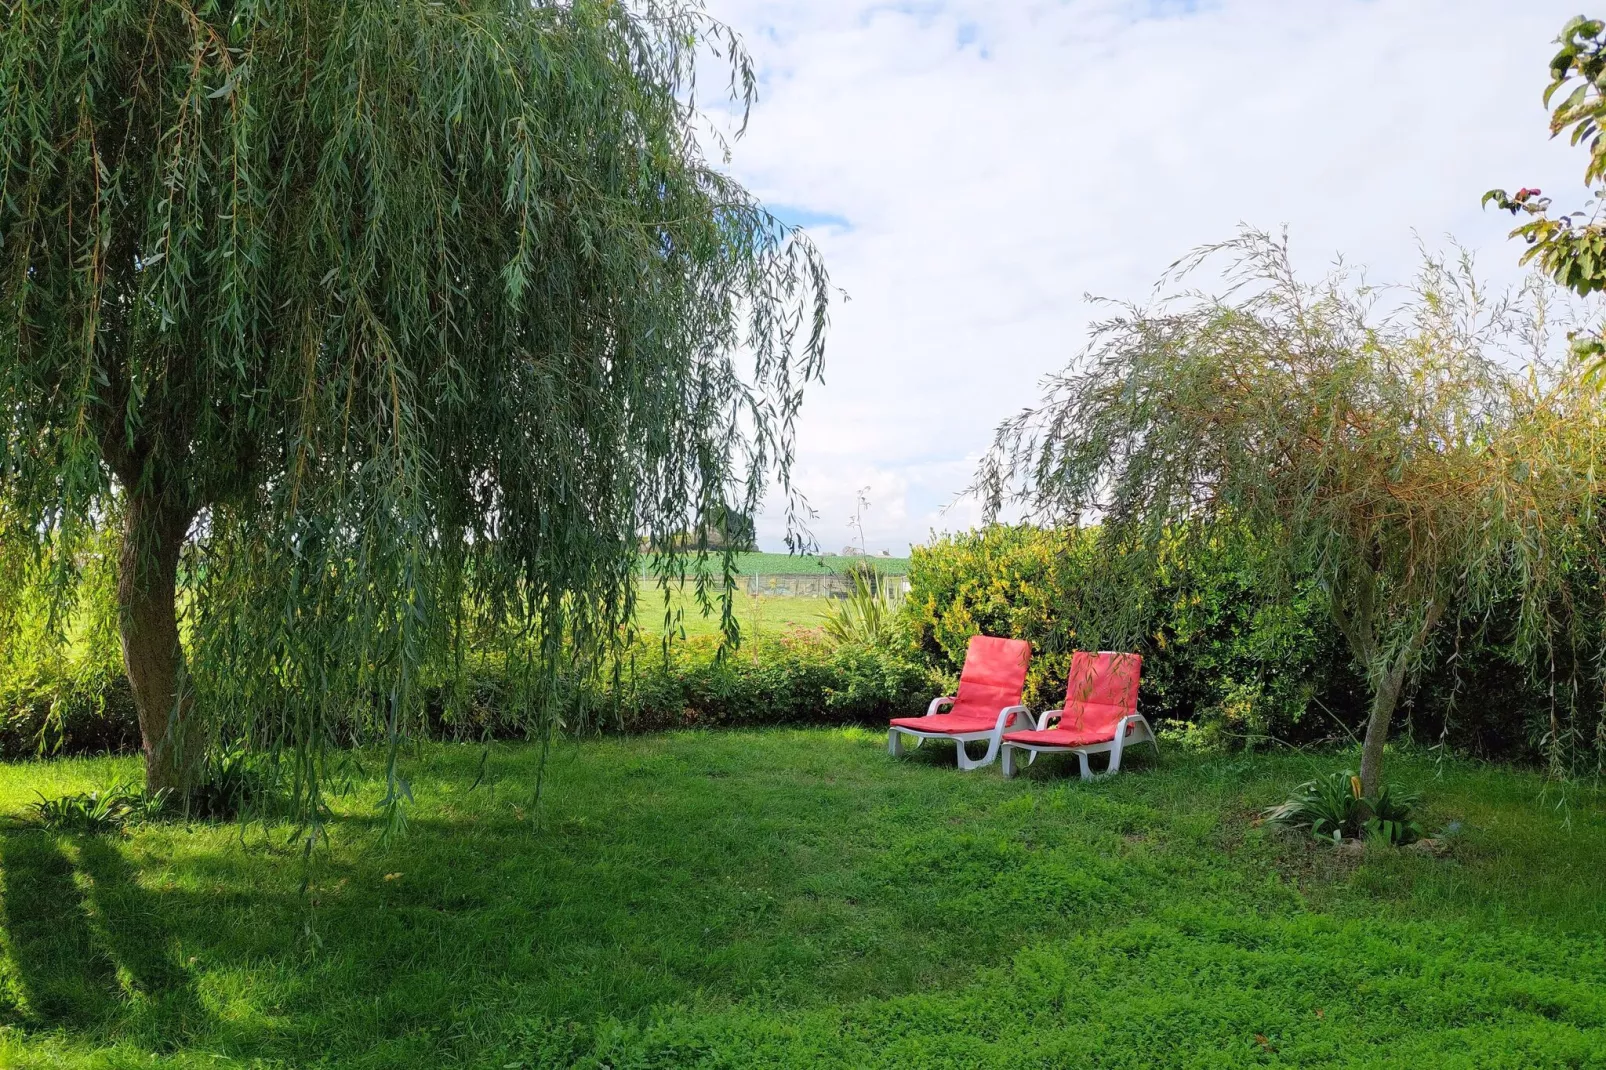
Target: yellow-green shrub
{"x":1214,"y":656}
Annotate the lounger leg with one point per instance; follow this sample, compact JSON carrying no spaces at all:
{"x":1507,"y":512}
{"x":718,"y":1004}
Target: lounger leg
{"x":1009,"y":761}
{"x":1115,"y":758}
{"x":895,"y":743}
{"x":1087,"y":773}
{"x":967,"y":762}
{"x":992,"y":751}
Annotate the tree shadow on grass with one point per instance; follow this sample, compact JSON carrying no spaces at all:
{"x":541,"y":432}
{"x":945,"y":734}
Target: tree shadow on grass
{"x":58,"y":973}
{"x":85,"y":942}
{"x":128,"y":922}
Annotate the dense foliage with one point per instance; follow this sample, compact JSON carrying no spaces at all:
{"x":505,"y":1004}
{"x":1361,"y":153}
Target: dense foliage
{"x":1388,"y":462}
{"x":62,"y":685}
{"x":1224,"y":666}
{"x":364,"y":335}
{"x":1217,"y":657}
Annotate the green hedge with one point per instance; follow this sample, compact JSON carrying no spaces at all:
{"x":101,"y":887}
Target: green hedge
{"x":795,"y":680}
{"x":85,"y":712}
{"x":1220,"y":661}
{"x":1231,"y":666}
{"x":769,"y":680}
{"x":1215,"y":657}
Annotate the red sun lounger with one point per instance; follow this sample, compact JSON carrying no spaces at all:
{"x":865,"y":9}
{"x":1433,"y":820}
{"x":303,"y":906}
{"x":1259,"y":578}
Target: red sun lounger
{"x":987,"y":703}
{"x":1100,"y":716}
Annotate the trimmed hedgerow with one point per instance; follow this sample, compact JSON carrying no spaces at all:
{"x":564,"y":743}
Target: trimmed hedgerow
{"x":89,"y":711}
{"x":796,"y":679}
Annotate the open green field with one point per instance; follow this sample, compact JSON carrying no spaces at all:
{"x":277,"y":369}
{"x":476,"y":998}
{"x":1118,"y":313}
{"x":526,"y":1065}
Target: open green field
{"x":756,"y":615}
{"x":759,"y":564}
{"x":797,"y":898}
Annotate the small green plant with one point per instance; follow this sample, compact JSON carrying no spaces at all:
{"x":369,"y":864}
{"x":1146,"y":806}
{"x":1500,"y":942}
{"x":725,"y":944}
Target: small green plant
{"x":1333,"y":808}
{"x":106,"y":810}
{"x":1392,"y":821}
{"x":869,"y":614}
{"x":231,"y":778}
{"x":1328,"y":806}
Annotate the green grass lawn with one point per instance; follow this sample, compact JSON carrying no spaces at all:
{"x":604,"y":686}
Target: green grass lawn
{"x":797,"y":898}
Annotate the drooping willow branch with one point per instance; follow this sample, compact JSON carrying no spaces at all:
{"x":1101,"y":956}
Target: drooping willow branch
{"x":381,"y":332}
{"x":1397,"y":461}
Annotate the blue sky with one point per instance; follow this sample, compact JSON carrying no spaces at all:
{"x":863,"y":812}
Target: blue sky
{"x":811,"y":218}
{"x":973,"y":169}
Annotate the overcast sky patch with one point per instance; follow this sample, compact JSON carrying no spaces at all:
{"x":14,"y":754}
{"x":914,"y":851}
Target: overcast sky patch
{"x":967,"y":204}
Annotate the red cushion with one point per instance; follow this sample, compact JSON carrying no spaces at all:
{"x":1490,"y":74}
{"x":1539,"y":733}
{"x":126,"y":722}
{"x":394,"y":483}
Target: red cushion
{"x":992,"y":679}
{"x":1102,"y":689}
{"x":1060,"y":737}
{"x":946,"y":723}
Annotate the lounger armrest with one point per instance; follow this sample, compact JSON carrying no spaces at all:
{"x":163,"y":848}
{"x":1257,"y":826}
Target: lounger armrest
{"x":1133,"y":728}
{"x":1049,"y":716}
{"x":1129,"y":722}
{"x":936,"y":704}
{"x":1009,"y":711}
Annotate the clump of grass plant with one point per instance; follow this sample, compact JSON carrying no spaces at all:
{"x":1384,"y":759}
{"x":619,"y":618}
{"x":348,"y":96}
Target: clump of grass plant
{"x":233,"y":780}
{"x":99,"y":811}
{"x":1332,"y":807}
{"x":868,"y":616}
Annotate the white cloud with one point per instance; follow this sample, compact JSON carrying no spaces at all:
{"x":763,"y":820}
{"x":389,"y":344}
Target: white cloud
{"x":994,"y":162}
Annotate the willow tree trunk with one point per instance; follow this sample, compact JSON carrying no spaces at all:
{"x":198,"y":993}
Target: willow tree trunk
{"x":1386,"y":697}
{"x":147,"y":601}
{"x":1384,"y":700}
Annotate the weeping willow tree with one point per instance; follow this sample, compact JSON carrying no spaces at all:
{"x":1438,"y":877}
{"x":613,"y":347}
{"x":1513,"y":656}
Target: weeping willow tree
{"x":375,"y":333}
{"x":1395,"y":458}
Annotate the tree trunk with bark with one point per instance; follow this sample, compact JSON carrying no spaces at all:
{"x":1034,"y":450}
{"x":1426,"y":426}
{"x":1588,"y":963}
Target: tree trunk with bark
{"x":147,"y":602}
{"x":1387,"y":683}
{"x":1384,"y":699}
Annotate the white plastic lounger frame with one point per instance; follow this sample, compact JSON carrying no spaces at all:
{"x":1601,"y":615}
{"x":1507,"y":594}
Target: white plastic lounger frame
{"x":896,"y":733}
{"x":1130,"y":729}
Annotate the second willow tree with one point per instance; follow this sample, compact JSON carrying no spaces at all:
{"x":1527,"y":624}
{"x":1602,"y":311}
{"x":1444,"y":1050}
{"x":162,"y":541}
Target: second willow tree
{"x":1392,"y":459}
